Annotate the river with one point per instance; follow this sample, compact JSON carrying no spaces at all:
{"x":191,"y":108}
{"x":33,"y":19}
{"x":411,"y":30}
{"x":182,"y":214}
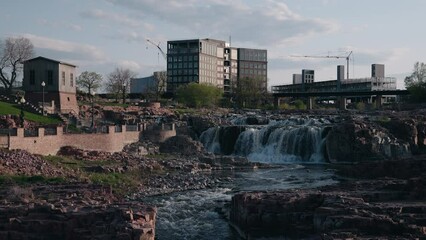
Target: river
{"x":199,"y":214}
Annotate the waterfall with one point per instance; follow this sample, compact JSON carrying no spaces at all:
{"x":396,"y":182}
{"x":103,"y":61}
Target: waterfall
{"x":210,"y":140}
{"x":291,"y":140}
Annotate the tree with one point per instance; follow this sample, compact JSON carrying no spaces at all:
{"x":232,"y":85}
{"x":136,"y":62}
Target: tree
{"x":118,"y":82}
{"x":250,"y":92}
{"x":13,"y":51}
{"x":157,"y":87}
{"x":199,"y":95}
{"x":416,"y":82}
{"x":89,"y":81}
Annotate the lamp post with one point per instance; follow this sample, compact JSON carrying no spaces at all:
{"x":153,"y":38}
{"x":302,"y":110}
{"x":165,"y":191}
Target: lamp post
{"x":42,"y":106}
{"x":93,"y":112}
{"x":124,"y":93}
{"x":22,"y":101}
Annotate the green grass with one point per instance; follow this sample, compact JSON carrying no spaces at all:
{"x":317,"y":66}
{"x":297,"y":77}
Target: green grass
{"x":121,"y":183}
{"x":22,"y":180}
{"x":11,"y":109}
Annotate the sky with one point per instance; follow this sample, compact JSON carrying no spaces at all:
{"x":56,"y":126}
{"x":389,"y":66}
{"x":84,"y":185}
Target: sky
{"x":100,"y":35}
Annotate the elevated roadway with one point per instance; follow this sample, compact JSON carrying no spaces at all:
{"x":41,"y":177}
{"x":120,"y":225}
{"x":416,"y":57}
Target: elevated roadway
{"x":341,"y":94}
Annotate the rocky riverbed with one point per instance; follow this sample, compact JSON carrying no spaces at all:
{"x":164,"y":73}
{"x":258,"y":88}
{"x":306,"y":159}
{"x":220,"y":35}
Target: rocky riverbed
{"x":75,"y":193}
{"x":388,"y":202}
{"x":65,"y":192}
{"x":72,"y":211}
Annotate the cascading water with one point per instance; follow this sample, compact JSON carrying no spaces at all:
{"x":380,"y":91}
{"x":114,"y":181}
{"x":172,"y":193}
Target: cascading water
{"x":292,"y":140}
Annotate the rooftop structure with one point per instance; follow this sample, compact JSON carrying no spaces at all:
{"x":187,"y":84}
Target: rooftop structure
{"x":377,"y":81}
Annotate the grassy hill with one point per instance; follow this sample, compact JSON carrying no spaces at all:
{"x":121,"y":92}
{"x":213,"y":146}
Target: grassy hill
{"x":14,"y":109}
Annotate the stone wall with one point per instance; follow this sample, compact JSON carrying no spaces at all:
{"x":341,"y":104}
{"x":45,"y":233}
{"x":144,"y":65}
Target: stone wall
{"x":50,"y":144}
{"x":160,"y":133}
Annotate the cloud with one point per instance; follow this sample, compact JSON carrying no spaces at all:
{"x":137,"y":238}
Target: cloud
{"x":50,"y":24}
{"x":117,"y":18}
{"x":264,"y":22}
{"x":131,"y":65}
{"x":75,"y":27}
{"x":61,"y":50}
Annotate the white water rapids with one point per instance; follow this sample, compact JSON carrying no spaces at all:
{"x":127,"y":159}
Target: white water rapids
{"x":293,"y":140}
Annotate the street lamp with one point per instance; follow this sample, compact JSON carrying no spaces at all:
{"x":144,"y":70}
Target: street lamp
{"x":124,"y":93}
{"x":93,"y":112}
{"x":22,"y":101}
{"x":42,"y":106}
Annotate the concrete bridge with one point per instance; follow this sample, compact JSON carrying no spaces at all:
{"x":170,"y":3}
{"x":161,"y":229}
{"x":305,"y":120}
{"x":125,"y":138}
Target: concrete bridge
{"x":341,"y":96}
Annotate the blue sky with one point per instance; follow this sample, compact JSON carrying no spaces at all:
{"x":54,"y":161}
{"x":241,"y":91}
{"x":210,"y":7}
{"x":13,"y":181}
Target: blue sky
{"x":99,"y":35}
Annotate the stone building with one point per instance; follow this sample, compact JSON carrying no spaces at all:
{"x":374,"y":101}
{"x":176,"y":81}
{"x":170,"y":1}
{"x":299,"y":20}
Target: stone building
{"x":59,"y":92}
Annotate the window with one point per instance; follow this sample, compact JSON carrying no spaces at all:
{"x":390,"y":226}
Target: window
{"x":32,"y":77}
{"x":71,"y":80}
{"x":49,"y":77}
{"x":63,"y":78}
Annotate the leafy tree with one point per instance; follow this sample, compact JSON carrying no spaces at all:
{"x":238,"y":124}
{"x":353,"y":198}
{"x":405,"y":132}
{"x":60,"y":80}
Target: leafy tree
{"x":416,"y":82}
{"x":199,"y":95}
{"x":13,"y":51}
{"x":300,"y":105}
{"x":118,"y":82}
{"x":89,"y":81}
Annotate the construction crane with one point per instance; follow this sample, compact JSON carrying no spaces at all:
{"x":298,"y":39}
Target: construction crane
{"x":338,"y":57}
{"x":159,"y":48}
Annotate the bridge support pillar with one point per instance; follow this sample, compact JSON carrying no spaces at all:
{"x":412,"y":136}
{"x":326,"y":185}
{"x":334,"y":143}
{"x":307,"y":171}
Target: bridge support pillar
{"x":342,"y":103}
{"x":379,"y":101}
{"x":310,"y":103}
{"x":277,"y":102}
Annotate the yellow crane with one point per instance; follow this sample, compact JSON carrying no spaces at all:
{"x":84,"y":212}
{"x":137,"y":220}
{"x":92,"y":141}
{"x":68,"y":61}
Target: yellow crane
{"x":329,"y":56}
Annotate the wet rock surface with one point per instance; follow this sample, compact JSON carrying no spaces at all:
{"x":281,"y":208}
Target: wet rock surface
{"x":389,"y":205}
{"x":72,"y":211}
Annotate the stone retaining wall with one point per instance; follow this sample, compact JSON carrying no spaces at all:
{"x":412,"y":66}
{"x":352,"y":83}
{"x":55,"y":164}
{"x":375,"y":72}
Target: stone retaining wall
{"x":50,"y":144}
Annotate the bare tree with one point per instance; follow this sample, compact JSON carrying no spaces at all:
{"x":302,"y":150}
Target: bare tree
{"x":418,"y":76}
{"x":13,"y":51}
{"x":249,"y":92}
{"x":158,"y":86}
{"x":118,"y":82}
{"x":89,"y":81}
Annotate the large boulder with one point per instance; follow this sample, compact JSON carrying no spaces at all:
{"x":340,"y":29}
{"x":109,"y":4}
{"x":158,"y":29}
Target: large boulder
{"x":339,"y":142}
{"x":183,"y":145}
{"x":404,"y":129}
{"x":354,"y":141}
{"x":200,"y":124}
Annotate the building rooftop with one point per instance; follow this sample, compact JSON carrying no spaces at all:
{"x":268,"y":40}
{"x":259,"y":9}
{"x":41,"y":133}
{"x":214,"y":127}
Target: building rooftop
{"x":51,"y":60}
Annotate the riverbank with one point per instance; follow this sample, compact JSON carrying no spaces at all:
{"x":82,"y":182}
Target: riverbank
{"x":379,"y":200}
{"x":85,"y":194}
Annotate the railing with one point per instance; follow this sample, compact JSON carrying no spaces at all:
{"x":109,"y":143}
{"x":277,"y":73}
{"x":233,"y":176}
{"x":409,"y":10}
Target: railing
{"x":30,"y":132}
{"x":10,"y":132}
{"x":132,"y":128}
{"x":50,"y":131}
